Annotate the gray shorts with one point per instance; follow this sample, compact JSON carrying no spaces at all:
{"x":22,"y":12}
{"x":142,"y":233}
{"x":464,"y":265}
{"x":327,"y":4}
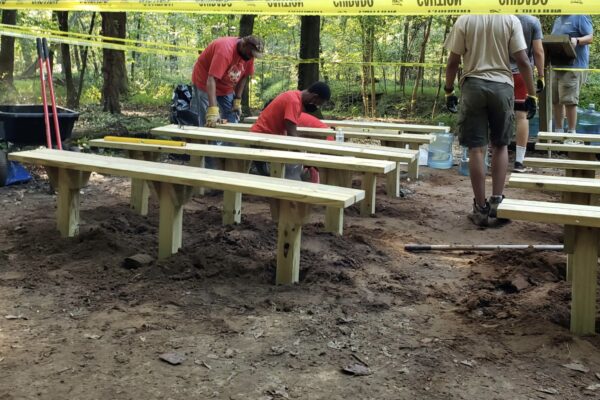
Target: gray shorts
{"x":485,"y":106}
{"x":566,"y":86}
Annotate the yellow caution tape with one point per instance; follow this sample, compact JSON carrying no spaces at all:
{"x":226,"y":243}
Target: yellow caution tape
{"x":318,"y":7}
{"x":144,"y":141}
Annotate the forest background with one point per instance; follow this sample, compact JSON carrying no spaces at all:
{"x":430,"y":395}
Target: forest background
{"x":368,"y":61}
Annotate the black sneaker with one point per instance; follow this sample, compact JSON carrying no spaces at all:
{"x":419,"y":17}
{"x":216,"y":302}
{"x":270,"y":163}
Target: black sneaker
{"x":480,"y":215}
{"x":519,"y":167}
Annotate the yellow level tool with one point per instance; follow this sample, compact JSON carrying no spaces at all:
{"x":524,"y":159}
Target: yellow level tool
{"x":144,"y":141}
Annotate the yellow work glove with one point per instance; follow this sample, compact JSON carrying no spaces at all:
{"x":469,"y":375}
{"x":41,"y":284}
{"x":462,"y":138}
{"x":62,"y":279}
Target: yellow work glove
{"x":212,"y":116}
{"x":237,"y":106}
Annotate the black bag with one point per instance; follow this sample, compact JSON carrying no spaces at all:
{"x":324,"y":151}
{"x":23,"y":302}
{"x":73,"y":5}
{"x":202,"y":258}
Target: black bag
{"x":181,"y":112}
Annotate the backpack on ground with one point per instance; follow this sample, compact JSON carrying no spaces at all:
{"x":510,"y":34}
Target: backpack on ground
{"x":181,"y":112}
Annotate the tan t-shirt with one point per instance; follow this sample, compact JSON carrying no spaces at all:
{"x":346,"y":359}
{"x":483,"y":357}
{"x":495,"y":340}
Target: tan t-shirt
{"x":485,"y":43}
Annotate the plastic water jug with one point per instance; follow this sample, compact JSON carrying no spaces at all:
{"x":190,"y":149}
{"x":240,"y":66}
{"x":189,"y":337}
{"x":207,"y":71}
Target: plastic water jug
{"x":440,"y":151}
{"x":463,"y":165}
{"x":588,"y":120}
{"x":534,"y":126}
{"x":339,"y":135}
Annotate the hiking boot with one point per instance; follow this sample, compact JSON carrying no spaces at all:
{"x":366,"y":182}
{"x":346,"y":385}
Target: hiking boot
{"x":519,"y":167}
{"x":480,"y":215}
{"x":494,"y":202}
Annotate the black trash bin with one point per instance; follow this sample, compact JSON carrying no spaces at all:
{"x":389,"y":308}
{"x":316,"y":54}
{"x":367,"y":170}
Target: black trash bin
{"x":23,"y":125}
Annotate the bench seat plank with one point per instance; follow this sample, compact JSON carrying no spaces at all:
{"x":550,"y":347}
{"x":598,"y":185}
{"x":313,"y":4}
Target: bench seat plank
{"x":571,"y":148}
{"x":561,"y":163}
{"x":555,"y":183}
{"x":376,"y":125}
{"x":552,"y":213}
{"x":559,"y":137}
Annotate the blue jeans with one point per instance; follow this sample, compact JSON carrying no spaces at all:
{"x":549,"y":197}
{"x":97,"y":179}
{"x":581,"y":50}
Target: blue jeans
{"x":199,"y":105}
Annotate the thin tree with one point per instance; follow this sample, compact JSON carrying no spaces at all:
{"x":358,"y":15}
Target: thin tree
{"x":310,"y":44}
{"x":246,"y":28}
{"x":84,"y":58}
{"x":63,"y":25}
{"x":7,"y":49}
{"x":114,"y":24}
{"x":420,"y":70}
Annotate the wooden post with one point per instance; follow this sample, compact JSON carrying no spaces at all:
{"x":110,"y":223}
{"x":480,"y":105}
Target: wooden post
{"x":232,"y":201}
{"x":277,"y":170}
{"x":68,"y":183}
{"x":392,"y":186}
{"x":585,"y":265}
{"x":334,"y":216}
{"x":197,"y":161}
{"x":291,"y":217}
{"x":172,"y":197}
{"x":369,"y":185}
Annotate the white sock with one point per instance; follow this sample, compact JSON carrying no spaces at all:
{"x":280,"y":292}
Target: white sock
{"x":559,"y":130}
{"x":571,"y":131}
{"x":520,"y":154}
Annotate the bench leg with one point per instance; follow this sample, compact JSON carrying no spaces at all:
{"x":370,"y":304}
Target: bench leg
{"x":334,"y":216}
{"x":413,"y":169}
{"x":392,"y":186}
{"x":585,"y":264}
{"x":171,"y":198}
{"x":369,"y":185}
{"x":277,"y":170}
{"x":289,"y":232}
{"x":140,"y":190}
{"x":197,"y":161}
{"x":67,"y":182}
{"x":232,"y":201}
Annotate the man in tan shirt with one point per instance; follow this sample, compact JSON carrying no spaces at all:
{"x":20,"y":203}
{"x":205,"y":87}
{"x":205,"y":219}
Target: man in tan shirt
{"x":485,"y":43}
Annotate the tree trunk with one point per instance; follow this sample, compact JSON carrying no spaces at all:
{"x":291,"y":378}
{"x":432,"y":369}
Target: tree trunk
{"x":246,"y":28}
{"x":113,"y":64}
{"x":63,"y":25}
{"x":7,"y":49}
{"x":310,"y":32}
{"x":84,"y":59}
{"x":413,"y":100}
{"x":367,"y":81}
{"x":135,"y":56}
{"x":404,"y":56}
{"x":449,"y":23}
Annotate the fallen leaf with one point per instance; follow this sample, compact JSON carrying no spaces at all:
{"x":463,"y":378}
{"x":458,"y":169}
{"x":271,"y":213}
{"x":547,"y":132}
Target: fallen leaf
{"x":258,"y":334}
{"x":20,"y":316}
{"x":469,"y":363}
{"x":577,"y":367}
{"x":598,"y":375}
{"x":172,"y":358}
{"x":357,"y":370}
{"x":278,"y":350}
{"x":593,"y":387}
{"x":91,"y":336}
{"x":204,"y":364}
{"x":547,"y":390}
{"x":334,"y":345}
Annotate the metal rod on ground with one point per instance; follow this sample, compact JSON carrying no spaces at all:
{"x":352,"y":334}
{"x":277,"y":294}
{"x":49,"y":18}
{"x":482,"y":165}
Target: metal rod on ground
{"x":427,"y":247}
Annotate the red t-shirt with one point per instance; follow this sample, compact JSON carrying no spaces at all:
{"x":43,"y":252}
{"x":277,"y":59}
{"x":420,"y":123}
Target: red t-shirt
{"x":286,"y":106}
{"x":222,"y":61}
{"x":310,"y":121}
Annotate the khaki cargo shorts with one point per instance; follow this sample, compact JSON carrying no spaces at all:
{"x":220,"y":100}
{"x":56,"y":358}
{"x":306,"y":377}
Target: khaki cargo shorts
{"x":566,"y":86}
{"x":486,"y":113}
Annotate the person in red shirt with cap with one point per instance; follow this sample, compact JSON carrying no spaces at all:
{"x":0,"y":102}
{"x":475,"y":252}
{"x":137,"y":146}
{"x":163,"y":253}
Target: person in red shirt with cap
{"x":219,"y":78}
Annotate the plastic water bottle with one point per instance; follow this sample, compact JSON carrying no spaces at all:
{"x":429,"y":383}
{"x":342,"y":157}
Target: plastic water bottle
{"x":463,"y":166}
{"x":339,"y":135}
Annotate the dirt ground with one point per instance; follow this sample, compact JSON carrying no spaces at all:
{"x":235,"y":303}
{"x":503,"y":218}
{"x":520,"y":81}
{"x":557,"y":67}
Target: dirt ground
{"x":76,"y":324}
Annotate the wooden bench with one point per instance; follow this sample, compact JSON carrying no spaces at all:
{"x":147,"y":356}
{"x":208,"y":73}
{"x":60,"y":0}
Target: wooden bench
{"x":561,"y":137}
{"x":400,"y":156}
{"x":334,"y":170}
{"x":574,"y":190}
{"x":412,"y":140}
{"x":374,"y":126}
{"x":70,"y":171}
{"x":585,"y":223}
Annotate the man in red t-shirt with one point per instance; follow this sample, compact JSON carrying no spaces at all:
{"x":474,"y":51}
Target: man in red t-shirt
{"x":281,"y":116}
{"x":219,"y":77}
{"x":310,"y":121}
